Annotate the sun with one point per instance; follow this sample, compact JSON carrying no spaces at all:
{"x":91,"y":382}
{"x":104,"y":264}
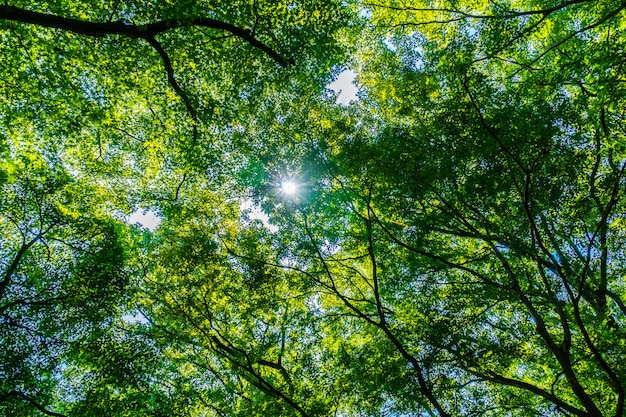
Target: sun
{"x":289,"y":187}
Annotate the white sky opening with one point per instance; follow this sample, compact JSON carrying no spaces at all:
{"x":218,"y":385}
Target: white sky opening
{"x":145,"y":218}
{"x":253,"y":211}
{"x":345,"y":88}
{"x":134,"y":317}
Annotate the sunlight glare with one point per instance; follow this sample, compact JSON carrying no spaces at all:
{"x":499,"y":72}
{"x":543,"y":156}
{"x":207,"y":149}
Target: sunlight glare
{"x":289,"y":187}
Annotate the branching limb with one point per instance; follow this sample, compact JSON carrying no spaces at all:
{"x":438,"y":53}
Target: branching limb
{"x":146,"y":31}
{"x":467,"y":15}
{"x":492,"y":376}
{"x":17,"y":259}
{"x":490,"y":130}
{"x":31,"y":401}
{"x":167,"y":63}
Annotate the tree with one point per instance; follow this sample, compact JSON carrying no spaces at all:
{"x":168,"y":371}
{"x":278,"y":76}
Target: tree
{"x":453,"y":248}
{"x":63,"y":275}
{"x":106,"y":107}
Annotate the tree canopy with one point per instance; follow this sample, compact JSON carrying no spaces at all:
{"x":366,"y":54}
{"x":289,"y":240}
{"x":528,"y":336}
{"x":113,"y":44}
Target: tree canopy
{"x":449,"y":243}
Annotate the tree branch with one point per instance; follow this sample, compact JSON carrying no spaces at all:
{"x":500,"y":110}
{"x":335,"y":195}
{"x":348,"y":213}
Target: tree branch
{"x":147,"y":31}
{"x":4,"y":397}
{"x":16,"y":261}
{"x":467,"y":15}
{"x":492,"y":376}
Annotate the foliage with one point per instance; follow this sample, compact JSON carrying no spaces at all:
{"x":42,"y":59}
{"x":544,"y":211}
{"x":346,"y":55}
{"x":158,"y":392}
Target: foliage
{"x":454,"y":247}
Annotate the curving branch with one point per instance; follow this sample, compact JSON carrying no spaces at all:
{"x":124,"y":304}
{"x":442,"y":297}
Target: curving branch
{"x":171,"y":78}
{"x":600,"y":22}
{"x":146,"y":31}
{"x":492,"y":376}
{"x":424,"y":387}
{"x":31,"y":401}
{"x":8,"y":274}
{"x":468,"y":15}
{"x":237,"y":356}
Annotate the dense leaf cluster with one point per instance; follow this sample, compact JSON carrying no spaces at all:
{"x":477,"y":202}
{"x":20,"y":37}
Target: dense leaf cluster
{"x":454,"y":246}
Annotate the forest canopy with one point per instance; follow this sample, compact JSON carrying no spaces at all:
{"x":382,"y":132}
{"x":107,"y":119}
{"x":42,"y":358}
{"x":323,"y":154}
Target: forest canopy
{"x":448,"y":243}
